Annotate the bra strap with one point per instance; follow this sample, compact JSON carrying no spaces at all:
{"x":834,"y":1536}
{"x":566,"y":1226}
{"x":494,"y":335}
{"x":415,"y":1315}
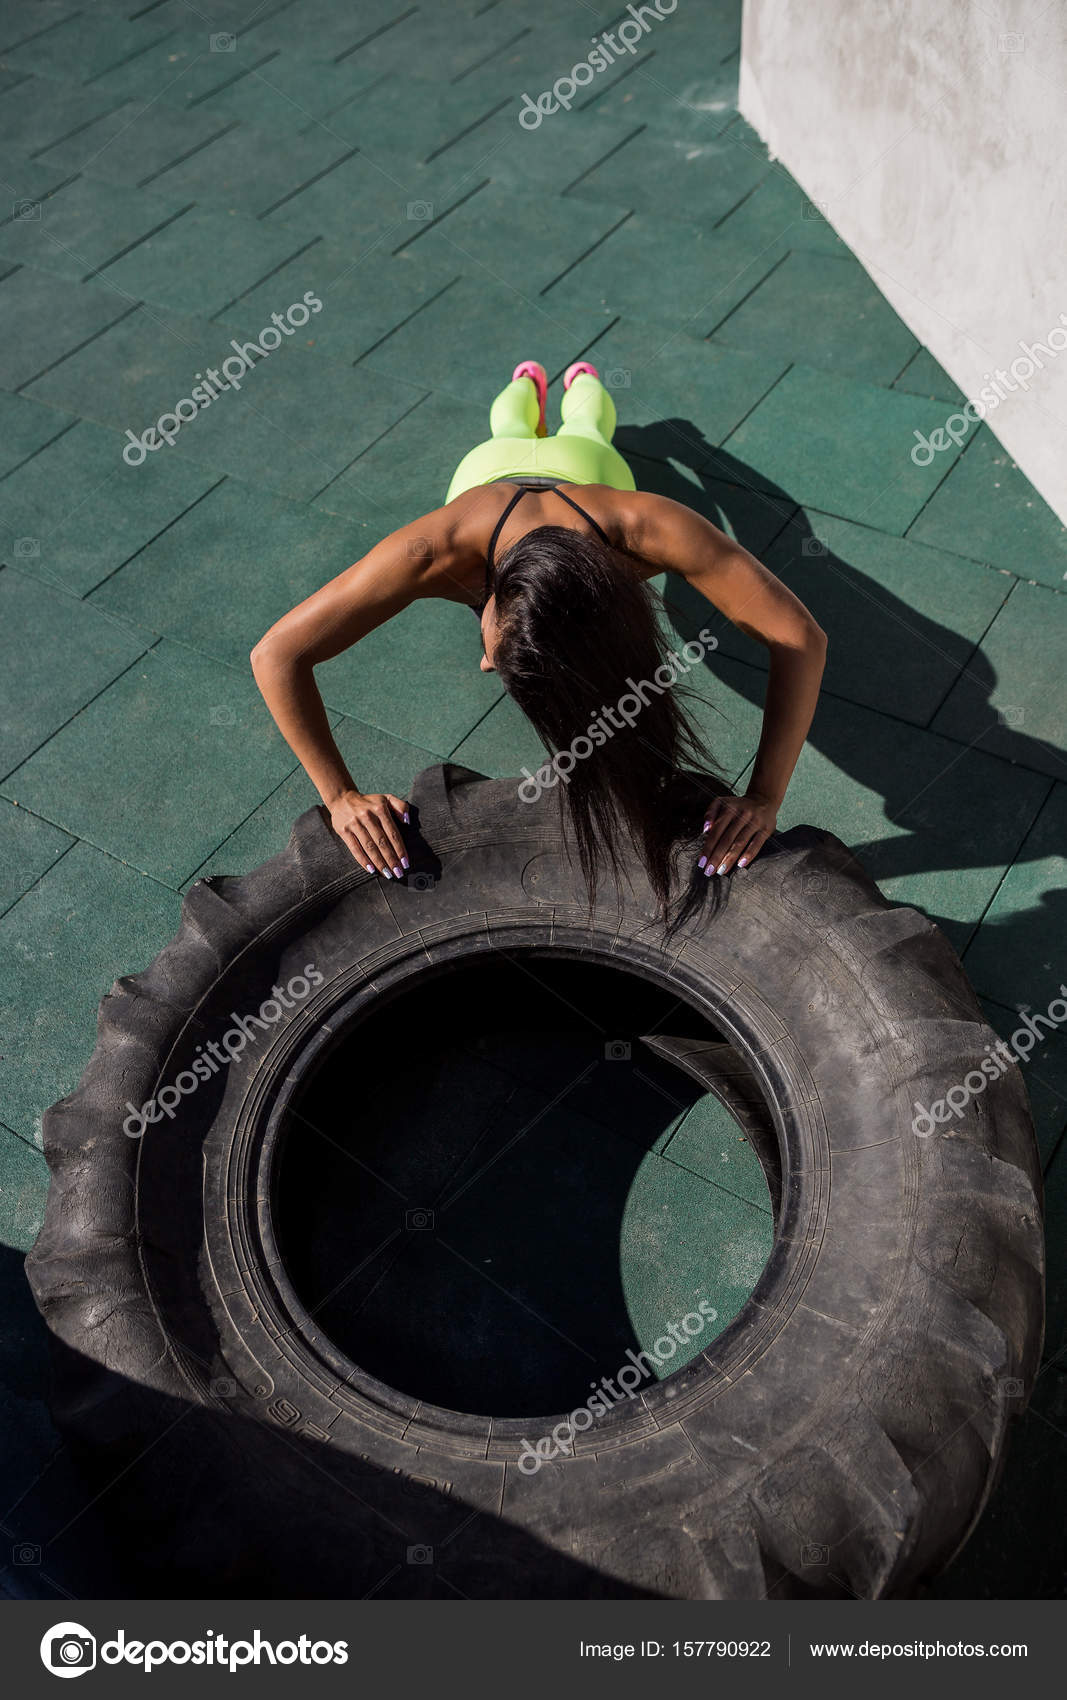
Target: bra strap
{"x":601,"y":533}
{"x":497,"y":529}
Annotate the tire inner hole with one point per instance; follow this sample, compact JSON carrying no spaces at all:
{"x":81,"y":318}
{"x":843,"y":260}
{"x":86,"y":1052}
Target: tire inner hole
{"x":496,"y":1188}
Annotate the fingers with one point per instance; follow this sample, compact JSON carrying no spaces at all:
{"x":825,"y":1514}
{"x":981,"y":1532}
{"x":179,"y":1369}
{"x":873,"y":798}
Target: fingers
{"x":373,"y":835}
{"x":752,"y":849}
{"x":733,"y":837}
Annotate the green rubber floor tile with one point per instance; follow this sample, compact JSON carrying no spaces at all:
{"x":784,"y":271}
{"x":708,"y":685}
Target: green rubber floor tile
{"x":23,"y":1190}
{"x":323,"y":30}
{"x":555,"y":234}
{"x":923,"y":376}
{"x":708,"y":275}
{"x":291,"y":93}
{"x":88,"y":511}
{"x":1043,"y":1067}
{"x":363,"y":206}
{"x":187,"y":67}
{"x":683,"y":1241}
{"x":502,"y":746}
{"x":136,"y":141}
{"x":398,"y":122}
{"x":198,"y":263}
{"x":828,"y":307}
{"x":25,"y":428}
{"x":83,"y":226}
{"x":988,"y":509}
{"x":705,"y":101}
{"x":1012,"y":703}
{"x":364,"y":296}
{"x":297,"y":423}
{"x":28,"y":847}
{"x":86,"y":44}
{"x":250,"y":169}
{"x":438,"y":45}
{"x":915,"y":808}
{"x":1015,"y":952}
{"x":66,"y":942}
{"x":193,"y":584}
{"x":437,"y":348}
{"x":536,"y":161}
{"x":778,"y":218}
{"x":416,"y":677}
{"x":902,"y":620}
{"x":376,"y":762}
{"x":842,"y":446}
{"x":27,"y":185}
{"x":109,"y":775}
{"x":676,"y":394}
{"x":139,"y":369}
{"x":710,"y":1143}
{"x":407,"y":471}
{"x":43,"y":109}
{"x":751,"y":516}
{"x":58,"y":654}
{"x":45,"y":318}
{"x":724,"y":697}
{"x":697,"y":182}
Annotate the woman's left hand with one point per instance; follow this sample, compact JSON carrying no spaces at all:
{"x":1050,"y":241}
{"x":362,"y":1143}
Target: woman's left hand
{"x":735,"y":831}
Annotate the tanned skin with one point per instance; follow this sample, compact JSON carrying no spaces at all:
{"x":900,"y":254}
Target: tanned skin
{"x":443,"y":555}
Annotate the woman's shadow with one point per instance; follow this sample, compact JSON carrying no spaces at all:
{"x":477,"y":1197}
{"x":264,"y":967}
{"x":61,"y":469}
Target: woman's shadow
{"x":887,"y":657}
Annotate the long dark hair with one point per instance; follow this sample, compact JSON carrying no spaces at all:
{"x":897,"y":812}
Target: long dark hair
{"x":577,"y":635}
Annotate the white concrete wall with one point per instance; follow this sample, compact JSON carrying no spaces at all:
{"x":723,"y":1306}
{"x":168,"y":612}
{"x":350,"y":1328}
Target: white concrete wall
{"x":933,"y":134}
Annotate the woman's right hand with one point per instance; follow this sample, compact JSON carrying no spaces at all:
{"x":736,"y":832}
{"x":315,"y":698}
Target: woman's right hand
{"x":367,"y":824}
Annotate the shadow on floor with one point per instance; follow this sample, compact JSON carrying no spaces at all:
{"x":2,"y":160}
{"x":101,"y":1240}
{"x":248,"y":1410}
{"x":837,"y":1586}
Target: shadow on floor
{"x":889,"y":640}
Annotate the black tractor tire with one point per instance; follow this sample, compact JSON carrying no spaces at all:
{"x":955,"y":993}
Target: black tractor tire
{"x":839,"y":1438}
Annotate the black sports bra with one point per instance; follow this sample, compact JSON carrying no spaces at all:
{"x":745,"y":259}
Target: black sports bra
{"x":523,"y":487}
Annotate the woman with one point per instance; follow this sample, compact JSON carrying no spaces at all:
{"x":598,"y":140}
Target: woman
{"x":568,"y":623}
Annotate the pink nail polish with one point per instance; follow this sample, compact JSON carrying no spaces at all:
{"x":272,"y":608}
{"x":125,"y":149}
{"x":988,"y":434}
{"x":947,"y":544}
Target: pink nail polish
{"x":743,"y":863}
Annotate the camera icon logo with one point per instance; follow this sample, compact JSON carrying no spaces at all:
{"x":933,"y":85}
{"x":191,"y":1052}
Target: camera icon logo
{"x":617,"y":1050}
{"x":813,"y":1553}
{"x":222,"y":715}
{"x":68,"y":1649}
{"x":813,"y":209}
{"x":618,"y":378}
{"x":26,"y":1552}
{"x":224,"y":43}
{"x":1010,"y":1387}
{"x":422,"y":882}
{"x":26,"y":548}
{"x":420,"y":211}
{"x":1012,"y":715}
{"x":418,"y":1221}
{"x":813,"y":546}
{"x":420,"y":1555}
{"x":26,"y":210}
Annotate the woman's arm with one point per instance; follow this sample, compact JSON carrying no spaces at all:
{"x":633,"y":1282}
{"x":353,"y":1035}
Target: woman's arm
{"x":419,"y":560}
{"x":671,"y":536}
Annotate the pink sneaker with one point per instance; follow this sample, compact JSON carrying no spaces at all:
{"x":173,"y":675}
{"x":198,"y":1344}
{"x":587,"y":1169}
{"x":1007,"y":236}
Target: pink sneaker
{"x":533,"y":370}
{"x":576,"y":370}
